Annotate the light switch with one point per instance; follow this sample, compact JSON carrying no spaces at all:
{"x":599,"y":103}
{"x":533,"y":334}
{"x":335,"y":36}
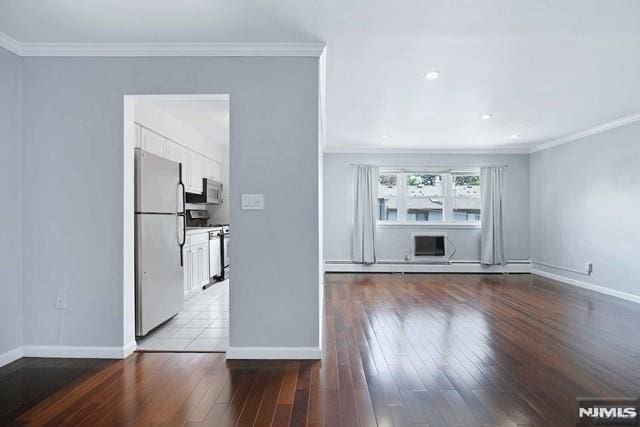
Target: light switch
{"x":253,"y":202}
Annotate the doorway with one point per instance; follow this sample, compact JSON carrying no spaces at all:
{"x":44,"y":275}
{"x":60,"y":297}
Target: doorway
{"x":176,"y":156}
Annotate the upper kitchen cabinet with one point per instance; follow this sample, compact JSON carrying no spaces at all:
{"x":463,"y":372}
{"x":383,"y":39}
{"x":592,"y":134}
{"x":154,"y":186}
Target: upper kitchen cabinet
{"x":195,"y":166}
{"x":203,"y":167}
{"x":153,"y":142}
{"x":212,"y":170}
{"x":159,"y":131}
{"x":180,"y":154}
{"x":197,"y":173}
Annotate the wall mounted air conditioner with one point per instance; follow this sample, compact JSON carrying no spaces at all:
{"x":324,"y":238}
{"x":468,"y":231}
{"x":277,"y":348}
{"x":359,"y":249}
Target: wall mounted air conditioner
{"x":429,"y":247}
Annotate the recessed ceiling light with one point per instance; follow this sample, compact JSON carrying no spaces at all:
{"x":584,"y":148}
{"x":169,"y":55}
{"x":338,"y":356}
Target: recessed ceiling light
{"x":385,"y":136}
{"x":515,"y":136}
{"x":432,"y":75}
{"x":485,"y":116}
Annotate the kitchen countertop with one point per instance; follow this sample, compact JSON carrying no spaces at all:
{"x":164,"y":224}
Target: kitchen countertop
{"x":195,"y":230}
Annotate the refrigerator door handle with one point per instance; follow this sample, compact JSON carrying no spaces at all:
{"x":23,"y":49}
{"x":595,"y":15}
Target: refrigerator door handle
{"x":181,"y":235}
{"x":182,"y":214}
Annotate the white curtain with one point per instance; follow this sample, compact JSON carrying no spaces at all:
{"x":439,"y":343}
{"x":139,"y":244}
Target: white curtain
{"x":364,"y":218}
{"x":492,"y":236}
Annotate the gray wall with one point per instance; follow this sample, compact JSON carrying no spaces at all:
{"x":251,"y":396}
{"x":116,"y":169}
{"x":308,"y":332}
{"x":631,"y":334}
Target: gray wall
{"x":585,"y":200}
{"x":393,"y":243}
{"x":10,"y":220}
{"x":73,"y":168}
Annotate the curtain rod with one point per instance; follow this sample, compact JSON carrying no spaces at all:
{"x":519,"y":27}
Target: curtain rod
{"x":428,"y":167}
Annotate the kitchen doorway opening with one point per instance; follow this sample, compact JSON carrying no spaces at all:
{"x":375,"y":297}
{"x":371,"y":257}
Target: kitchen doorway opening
{"x":177,"y":227}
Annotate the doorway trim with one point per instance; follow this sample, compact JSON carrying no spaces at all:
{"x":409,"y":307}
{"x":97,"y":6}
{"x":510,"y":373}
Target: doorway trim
{"x":128,"y":232}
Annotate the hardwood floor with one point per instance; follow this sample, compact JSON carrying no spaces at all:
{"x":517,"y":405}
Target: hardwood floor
{"x":29,"y":381}
{"x":399,"y":350}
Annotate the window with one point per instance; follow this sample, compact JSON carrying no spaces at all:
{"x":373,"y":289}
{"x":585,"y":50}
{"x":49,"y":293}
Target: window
{"x":466,"y":197}
{"x":388,"y":197}
{"x":424,"y":196}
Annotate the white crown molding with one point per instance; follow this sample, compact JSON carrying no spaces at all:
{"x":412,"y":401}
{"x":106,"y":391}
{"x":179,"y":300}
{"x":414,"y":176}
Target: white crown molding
{"x":310,"y":49}
{"x":587,"y":132}
{"x":11,"y":44}
{"x":275,"y":353}
{"x":469,"y":150}
{"x":389,"y":150}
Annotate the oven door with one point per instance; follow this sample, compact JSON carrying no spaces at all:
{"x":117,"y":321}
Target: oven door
{"x":215,"y":267}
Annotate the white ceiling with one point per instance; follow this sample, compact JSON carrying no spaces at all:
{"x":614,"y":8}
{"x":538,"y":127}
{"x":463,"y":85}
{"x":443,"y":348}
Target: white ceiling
{"x":542,"y":68}
{"x":205,"y":117}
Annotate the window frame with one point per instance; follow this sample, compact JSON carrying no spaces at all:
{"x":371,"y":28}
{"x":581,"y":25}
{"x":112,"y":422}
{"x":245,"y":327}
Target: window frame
{"x":447,"y":197}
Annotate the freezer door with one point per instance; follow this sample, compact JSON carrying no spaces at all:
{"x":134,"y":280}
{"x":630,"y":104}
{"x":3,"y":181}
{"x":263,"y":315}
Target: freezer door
{"x":159,"y":277}
{"x":157,"y":184}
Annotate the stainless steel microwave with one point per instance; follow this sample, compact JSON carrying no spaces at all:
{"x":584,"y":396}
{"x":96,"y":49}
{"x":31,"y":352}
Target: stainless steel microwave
{"x":211,"y":193}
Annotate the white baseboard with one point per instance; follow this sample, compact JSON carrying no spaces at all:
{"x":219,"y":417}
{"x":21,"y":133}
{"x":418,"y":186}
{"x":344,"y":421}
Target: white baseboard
{"x":10,"y":356}
{"x":456,"y":267}
{"x":129,"y":349}
{"x":589,"y":286}
{"x":83,"y":352}
{"x":282,"y":353}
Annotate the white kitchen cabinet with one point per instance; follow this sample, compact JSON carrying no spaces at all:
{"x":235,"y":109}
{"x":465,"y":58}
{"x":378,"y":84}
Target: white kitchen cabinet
{"x":196,"y":261}
{"x":212,"y":170}
{"x":154,"y":143}
{"x":195,"y":166}
{"x":203,"y":265}
{"x":188,"y":269}
{"x":180,"y":154}
{"x":196,"y":172}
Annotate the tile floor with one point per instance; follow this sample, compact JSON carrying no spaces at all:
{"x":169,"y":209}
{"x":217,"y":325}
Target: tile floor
{"x":203,"y":325}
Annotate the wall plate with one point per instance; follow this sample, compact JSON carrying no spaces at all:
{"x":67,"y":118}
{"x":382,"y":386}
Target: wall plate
{"x":253,"y":202}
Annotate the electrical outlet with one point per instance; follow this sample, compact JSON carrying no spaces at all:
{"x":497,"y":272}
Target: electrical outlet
{"x":588,"y":267}
{"x":61,"y":302}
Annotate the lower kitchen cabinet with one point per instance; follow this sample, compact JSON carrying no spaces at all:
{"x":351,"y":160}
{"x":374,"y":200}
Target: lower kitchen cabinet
{"x":196,"y":262}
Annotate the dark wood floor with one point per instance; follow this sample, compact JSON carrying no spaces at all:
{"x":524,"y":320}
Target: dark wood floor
{"x":28,"y":381}
{"x":399,"y":350}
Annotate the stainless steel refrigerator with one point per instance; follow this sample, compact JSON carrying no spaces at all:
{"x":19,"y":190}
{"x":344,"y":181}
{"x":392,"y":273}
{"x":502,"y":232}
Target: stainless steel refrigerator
{"x":159,"y":238}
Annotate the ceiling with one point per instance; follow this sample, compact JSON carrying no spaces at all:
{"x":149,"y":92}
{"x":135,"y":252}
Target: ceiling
{"x":205,"y":117}
{"x":543,"y":69}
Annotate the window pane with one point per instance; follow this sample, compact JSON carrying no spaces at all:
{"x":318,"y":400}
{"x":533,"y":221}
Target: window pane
{"x":388,"y":197}
{"x":466,"y":197}
{"x":424,"y":197}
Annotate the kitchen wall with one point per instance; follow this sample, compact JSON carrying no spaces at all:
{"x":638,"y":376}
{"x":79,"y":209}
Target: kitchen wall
{"x":221,"y":214}
{"x":73,"y":162}
{"x":160,"y":121}
{"x":10,"y":213}
{"x":585,"y":200}
{"x":393,"y":241}
{"x":152,"y":117}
